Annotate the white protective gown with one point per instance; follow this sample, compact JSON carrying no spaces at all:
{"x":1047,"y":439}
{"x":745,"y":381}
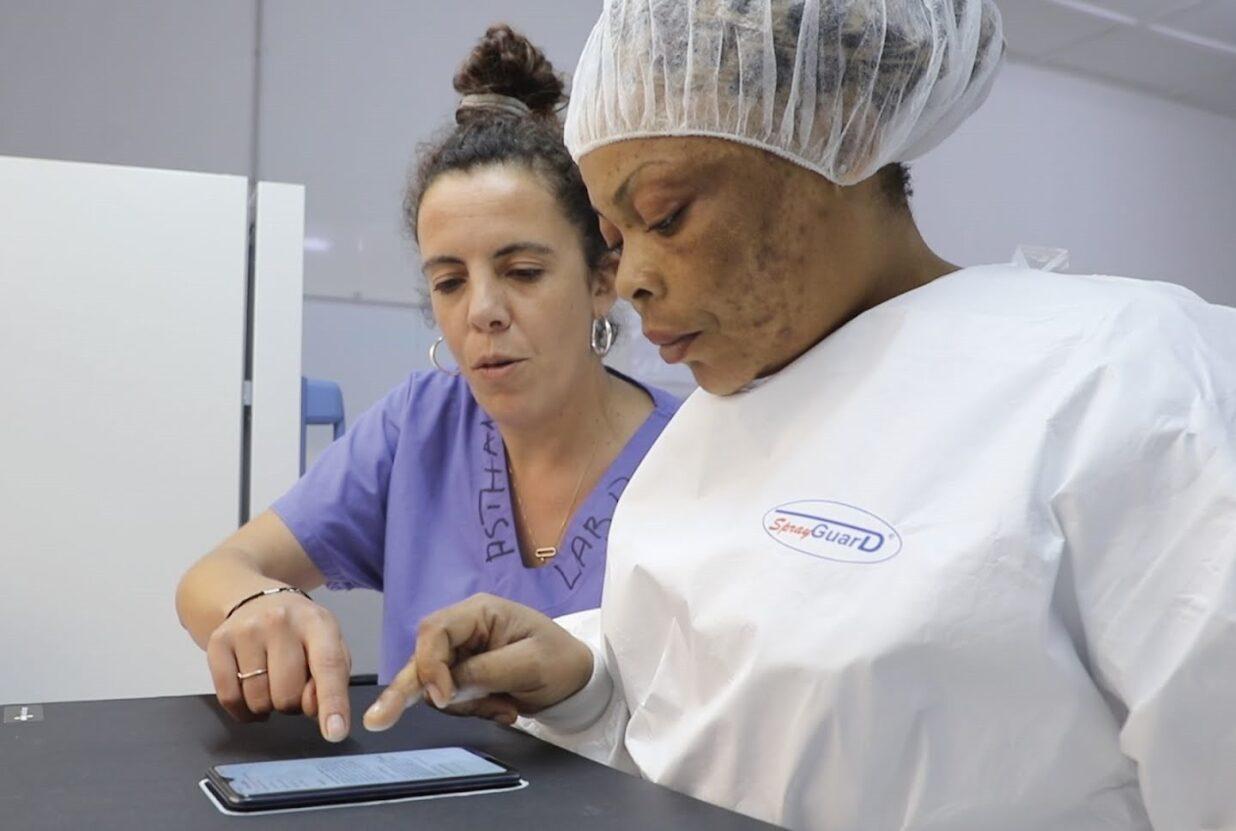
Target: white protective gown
{"x":969,"y":563}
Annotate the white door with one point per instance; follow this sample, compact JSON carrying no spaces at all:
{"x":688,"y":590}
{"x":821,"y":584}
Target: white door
{"x":122,"y":317}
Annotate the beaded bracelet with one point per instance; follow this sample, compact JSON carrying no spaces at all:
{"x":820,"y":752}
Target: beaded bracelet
{"x":265,"y":592}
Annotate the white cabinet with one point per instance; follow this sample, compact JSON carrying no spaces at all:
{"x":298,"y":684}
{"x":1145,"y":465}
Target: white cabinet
{"x":128,"y":329}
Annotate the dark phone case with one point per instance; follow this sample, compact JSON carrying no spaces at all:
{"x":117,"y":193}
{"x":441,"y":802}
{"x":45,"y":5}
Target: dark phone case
{"x":219,"y":786}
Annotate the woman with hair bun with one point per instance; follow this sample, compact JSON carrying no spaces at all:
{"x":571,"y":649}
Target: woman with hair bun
{"x":497,"y":473}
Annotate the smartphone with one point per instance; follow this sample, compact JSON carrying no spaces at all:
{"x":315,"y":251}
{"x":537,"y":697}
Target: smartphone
{"x":331,"y":780}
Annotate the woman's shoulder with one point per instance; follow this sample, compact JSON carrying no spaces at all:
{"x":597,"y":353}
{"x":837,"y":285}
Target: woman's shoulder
{"x":1134,"y":349}
{"x":1018,"y":290}
{"x":430,"y":401}
{"x":1145,"y":347}
{"x":1096,"y":309}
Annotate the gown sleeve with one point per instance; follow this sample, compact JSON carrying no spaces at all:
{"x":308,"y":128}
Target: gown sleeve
{"x":591,"y":723}
{"x":1148,"y":515}
{"x":337,"y":511}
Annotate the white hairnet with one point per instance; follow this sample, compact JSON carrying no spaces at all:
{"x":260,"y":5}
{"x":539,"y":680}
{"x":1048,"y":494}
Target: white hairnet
{"x":842,"y":87}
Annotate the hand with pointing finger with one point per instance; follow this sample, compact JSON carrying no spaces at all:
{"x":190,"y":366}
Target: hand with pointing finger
{"x":282,"y":653}
{"x":487,"y":657}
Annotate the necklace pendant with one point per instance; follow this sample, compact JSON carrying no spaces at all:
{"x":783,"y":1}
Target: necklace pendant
{"x":544,"y":554}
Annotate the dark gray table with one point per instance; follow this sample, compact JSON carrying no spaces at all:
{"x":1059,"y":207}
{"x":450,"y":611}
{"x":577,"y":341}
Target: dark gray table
{"x":135,"y":764}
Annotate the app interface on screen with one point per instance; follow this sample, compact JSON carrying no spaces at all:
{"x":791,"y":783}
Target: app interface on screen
{"x":255,"y":778}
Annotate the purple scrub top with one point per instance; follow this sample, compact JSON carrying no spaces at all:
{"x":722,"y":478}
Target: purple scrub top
{"x":415,"y":501}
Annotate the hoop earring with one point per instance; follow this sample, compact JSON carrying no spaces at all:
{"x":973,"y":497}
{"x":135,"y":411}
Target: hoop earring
{"x":601,"y":338}
{"x":433,"y":358}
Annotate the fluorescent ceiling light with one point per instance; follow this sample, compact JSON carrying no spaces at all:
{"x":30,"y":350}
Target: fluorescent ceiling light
{"x":1196,"y":40}
{"x":1095,"y":11}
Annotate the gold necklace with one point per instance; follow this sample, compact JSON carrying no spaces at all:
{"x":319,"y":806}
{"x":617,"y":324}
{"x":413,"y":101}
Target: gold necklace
{"x":548,"y":552}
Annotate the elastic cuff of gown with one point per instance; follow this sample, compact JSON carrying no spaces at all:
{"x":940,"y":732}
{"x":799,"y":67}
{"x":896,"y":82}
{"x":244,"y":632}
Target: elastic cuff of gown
{"x":581,"y":710}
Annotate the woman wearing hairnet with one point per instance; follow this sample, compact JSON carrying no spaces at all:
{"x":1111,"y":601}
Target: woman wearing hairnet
{"x":935,"y":547}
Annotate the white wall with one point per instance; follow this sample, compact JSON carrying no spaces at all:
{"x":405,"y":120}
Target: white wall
{"x":1129,"y":183}
{"x":150,"y":83}
{"x":348,"y":92}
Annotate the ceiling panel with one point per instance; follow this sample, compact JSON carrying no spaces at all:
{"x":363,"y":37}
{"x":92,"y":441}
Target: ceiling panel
{"x":1140,"y":9}
{"x":1139,"y":56}
{"x":1034,"y":28}
{"x":1181,"y":49}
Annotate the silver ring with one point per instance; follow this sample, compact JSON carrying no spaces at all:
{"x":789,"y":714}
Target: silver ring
{"x":245,"y":676}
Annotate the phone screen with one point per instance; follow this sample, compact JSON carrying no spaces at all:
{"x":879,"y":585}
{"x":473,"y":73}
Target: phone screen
{"x":249,"y":779}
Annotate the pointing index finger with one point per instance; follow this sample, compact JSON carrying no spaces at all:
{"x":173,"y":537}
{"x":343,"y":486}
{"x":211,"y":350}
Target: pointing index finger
{"x":404,"y":691}
{"x":328,"y":665}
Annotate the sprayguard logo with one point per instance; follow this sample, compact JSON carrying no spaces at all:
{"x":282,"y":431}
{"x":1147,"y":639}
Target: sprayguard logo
{"x":832,"y":531}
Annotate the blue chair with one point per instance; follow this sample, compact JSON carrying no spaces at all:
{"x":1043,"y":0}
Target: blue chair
{"x":321,"y":402}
